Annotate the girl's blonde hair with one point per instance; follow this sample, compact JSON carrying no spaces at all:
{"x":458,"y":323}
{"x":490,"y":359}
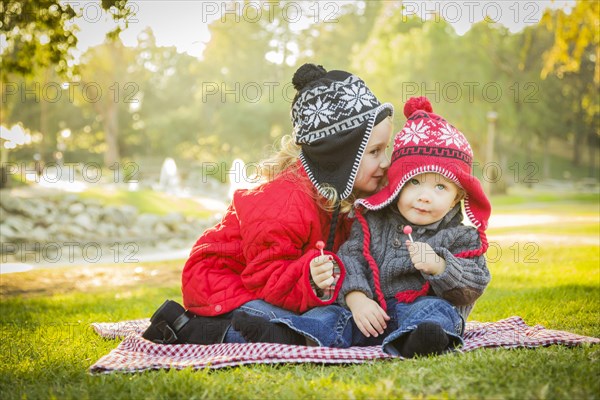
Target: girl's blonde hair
{"x":283,"y":161}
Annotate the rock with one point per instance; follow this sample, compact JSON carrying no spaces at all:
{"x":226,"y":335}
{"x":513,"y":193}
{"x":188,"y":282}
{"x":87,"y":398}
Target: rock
{"x":63,"y":203}
{"x":174,"y":221}
{"x":129,"y":214}
{"x":176,"y":244}
{"x":61,"y":219}
{"x":94,"y":212}
{"x":55,"y":232}
{"x":147,"y":222}
{"x":73,"y":231}
{"x":122,"y":232}
{"x":57,"y":220}
{"x":76,"y":208}
{"x":105,"y":230}
{"x":84,"y":221}
{"x":35,"y":208}
{"x":39,"y":235}
{"x":112,"y":215}
{"x":161,"y":229}
{"x":19,"y":224}
{"x":7,"y":232}
{"x":10,"y":204}
{"x":135,"y":231}
{"x":47,"y":220}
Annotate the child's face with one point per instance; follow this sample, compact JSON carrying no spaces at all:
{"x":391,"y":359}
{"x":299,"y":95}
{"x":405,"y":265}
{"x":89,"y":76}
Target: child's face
{"x":427,"y":198}
{"x":375,"y":161}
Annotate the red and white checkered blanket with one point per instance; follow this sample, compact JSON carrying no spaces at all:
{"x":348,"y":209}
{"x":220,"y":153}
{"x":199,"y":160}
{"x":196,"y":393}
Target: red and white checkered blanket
{"x":137,"y":354}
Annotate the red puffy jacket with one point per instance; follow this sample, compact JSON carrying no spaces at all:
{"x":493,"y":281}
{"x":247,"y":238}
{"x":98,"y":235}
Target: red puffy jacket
{"x":261,"y":249}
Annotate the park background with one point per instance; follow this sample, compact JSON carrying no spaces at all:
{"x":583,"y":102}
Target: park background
{"x":119,"y":150}
{"x":113,"y":104}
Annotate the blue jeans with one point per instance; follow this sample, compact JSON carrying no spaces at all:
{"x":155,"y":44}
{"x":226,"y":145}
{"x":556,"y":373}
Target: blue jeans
{"x":333,"y":326}
{"x":406,"y":317}
{"x":316,"y":324}
{"x":257,"y":308}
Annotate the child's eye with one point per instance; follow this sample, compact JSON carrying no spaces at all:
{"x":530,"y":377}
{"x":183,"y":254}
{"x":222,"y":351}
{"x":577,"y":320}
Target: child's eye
{"x":440,"y":186}
{"x":414,"y":181}
{"x":375,"y":152}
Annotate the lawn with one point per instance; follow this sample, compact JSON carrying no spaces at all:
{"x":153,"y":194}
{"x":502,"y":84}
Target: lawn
{"x":47,"y":344}
{"x":147,"y":201}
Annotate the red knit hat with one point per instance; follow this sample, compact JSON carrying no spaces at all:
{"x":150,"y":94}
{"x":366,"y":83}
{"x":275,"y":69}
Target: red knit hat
{"x":428,"y":143}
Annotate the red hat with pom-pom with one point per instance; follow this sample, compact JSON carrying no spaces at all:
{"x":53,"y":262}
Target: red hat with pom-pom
{"x":428,"y":143}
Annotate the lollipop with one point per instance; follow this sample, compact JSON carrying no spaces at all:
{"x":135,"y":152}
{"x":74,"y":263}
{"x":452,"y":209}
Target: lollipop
{"x":408,"y":230}
{"x":320,"y":246}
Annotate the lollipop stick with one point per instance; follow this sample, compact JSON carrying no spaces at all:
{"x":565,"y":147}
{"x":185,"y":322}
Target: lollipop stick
{"x":408,"y":230}
{"x":320,"y":246}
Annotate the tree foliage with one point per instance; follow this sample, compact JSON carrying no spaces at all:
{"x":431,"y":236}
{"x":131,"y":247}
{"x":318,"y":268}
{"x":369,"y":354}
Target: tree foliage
{"x":576,"y":38}
{"x":235,"y":101}
{"x":40,"y":34}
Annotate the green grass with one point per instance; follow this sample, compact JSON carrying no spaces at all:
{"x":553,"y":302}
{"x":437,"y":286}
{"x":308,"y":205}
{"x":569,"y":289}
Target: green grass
{"x":566,"y":228}
{"x":538,"y":201}
{"x":147,"y":201}
{"x":47,"y":345}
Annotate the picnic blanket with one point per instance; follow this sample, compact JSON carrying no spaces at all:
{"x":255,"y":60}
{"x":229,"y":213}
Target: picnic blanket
{"x":136,"y":354}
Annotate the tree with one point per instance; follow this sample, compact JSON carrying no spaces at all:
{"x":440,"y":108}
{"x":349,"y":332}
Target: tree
{"x":44,"y":107}
{"x":575,"y":54}
{"x":335,"y":37}
{"x":39,"y":33}
{"x":109,"y":87}
{"x":244,"y":99}
{"x":576,"y":36}
{"x":169,"y":115}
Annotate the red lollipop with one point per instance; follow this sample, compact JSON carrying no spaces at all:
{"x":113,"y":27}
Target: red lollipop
{"x":407,"y":231}
{"x":320,"y":246}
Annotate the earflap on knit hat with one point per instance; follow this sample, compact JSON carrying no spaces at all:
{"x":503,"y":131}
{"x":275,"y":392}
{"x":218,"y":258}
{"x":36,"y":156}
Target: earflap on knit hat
{"x":333,"y":115}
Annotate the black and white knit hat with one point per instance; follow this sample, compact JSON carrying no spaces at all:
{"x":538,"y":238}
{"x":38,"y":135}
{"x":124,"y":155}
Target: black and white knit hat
{"x":333,"y":115}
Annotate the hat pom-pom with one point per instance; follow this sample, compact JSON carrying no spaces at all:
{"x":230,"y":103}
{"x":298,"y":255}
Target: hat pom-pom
{"x":306,"y":74}
{"x":417,"y":104}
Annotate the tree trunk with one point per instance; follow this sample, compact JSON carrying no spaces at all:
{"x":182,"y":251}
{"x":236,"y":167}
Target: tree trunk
{"x":546,"y":159}
{"x":592,"y":145}
{"x":111,"y":130}
{"x":45,"y":148}
{"x":578,"y":138}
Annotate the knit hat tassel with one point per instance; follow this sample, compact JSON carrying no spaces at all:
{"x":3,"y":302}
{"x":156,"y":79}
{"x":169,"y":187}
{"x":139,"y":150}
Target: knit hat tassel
{"x":370,"y":259}
{"x":479,"y":251}
{"x":409,"y":296}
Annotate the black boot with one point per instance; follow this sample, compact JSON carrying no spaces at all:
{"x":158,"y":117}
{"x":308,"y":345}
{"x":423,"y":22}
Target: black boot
{"x":161,"y":324}
{"x":428,"y":338}
{"x":259,"y":330}
{"x":204,"y":330}
{"x":171,"y":324}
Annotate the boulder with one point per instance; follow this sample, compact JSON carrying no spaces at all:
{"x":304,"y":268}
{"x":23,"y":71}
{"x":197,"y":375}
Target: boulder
{"x":76,"y":208}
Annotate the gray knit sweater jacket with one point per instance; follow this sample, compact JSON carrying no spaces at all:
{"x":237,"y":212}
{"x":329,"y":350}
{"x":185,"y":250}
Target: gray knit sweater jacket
{"x":463,"y":281}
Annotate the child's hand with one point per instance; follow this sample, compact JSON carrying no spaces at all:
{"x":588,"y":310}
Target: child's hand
{"x":425,"y":259}
{"x":368,"y":315}
{"x":321,"y":271}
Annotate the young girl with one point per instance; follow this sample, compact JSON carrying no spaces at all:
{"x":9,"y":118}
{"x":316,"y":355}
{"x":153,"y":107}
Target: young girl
{"x":411,"y":297}
{"x":261,"y":257}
